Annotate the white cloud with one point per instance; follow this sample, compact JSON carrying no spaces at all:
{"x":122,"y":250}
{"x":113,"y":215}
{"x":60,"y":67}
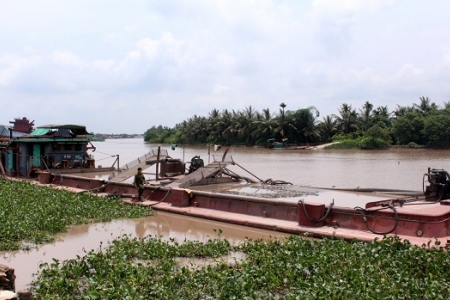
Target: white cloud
{"x":11,"y":66}
{"x":67,"y":58}
{"x":219,"y":89}
{"x":190,"y":57}
{"x":103,"y":65}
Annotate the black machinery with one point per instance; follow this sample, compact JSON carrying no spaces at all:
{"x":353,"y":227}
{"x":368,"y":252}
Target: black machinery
{"x":438,"y":184}
{"x":196,"y":163}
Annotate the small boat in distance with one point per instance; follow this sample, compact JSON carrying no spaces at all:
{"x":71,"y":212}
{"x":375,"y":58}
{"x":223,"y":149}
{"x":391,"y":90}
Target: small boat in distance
{"x":284,"y":145}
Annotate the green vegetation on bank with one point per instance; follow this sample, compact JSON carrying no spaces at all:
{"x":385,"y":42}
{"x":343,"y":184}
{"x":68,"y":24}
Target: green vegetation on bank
{"x":424,"y":123}
{"x":34,"y":214}
{"x":293,"y":268}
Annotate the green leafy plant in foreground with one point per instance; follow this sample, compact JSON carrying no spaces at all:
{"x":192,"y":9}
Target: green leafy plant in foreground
{"x":293,"y":268}
{"x":32,"y":213}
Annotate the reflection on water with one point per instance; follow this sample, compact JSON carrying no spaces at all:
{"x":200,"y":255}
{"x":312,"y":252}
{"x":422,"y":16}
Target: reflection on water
{"x":89,"y":237}
{"x":393,"y":169}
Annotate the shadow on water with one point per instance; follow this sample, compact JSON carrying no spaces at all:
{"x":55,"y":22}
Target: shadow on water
{"x":88,"y":237}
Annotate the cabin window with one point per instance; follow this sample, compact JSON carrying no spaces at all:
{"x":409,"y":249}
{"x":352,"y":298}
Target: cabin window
{"x":68,"y":147}
{"x":57,"y":147}
{"x":78,"y":147}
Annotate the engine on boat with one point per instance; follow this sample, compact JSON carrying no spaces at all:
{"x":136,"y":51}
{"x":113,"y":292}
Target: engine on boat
{"x":196,"y":163}
{"x":438,"y":184}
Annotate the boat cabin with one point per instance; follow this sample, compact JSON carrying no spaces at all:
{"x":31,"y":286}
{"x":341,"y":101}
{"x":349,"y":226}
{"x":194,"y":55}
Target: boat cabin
{"x":47,"y":148}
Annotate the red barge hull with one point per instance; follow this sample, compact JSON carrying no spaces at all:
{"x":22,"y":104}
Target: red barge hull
{"x":411,"y":218}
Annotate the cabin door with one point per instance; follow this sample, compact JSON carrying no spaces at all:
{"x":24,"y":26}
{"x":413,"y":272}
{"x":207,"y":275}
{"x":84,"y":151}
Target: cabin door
{"x":36,"y":155}
{"x":9,"y":160}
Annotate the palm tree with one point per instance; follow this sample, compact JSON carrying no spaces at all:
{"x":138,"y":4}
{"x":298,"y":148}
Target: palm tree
{"x":364,"y":115}
{"x":214,"y":126}
{"x":328,"y":127}
{"x":347,"y":119}
{"x":382,"y":114}
{"x":282,"y":121}
{"x":402,"y":110}
{"x":243,"y":124}
{"x":425,"y":105}
{"x":265,"y":125}
{"x":226,"y":122}
{"x":311,"y":131}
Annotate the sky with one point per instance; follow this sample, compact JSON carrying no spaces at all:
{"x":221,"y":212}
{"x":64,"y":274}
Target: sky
{"x":125,"y":66}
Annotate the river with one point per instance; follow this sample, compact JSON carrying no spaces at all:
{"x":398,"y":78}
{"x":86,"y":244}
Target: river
{"x":390,"y":169}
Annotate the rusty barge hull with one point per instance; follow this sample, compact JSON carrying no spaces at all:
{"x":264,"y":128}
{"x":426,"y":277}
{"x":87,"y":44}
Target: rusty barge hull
{"x":420,"y":223}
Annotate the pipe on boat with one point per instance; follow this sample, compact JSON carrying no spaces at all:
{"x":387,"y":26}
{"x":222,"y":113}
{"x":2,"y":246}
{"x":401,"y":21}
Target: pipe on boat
{"x":322,"y":218}
{"x":363,"y":212}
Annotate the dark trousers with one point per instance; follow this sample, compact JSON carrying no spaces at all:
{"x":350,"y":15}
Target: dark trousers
{"x":140,"y":190}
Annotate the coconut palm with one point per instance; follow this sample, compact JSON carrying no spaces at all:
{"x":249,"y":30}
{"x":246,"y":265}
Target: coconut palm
{"x":282,"y":121}
{"x":328,"y":127}
{"x":346,"y":120}
{"x":401,"y":111}
{"x":425,"y":105}
{"x":265,"y":125}
{"x":243,"y":124}
{"x":365,"y":115}
{"x":382,"y":114}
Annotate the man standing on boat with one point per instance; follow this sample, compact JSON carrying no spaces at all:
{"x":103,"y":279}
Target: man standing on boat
{"x":139,"y":181}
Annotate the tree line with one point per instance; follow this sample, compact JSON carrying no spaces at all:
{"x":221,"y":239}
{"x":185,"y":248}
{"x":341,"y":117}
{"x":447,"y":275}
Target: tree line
{"x":422,"y":124}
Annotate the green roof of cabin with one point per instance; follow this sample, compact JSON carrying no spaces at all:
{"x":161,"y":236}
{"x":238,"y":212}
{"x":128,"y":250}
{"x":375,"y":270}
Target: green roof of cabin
{"x":44,"y":130}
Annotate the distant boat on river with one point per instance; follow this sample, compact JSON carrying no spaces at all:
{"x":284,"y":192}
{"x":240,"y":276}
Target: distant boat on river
{"x":284,"y":145}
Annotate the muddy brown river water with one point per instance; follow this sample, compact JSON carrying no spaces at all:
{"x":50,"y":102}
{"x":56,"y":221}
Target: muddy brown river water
{"x":389,"y":169}
{"x":89,"y":237}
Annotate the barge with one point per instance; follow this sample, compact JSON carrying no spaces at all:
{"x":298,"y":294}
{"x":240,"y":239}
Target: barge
{"x":26,"y":151}
{"x":218,"y":192}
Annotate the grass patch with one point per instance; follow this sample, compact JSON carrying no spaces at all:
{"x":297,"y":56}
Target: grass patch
{"x":293,"y":268}
{"x":33,"y":214}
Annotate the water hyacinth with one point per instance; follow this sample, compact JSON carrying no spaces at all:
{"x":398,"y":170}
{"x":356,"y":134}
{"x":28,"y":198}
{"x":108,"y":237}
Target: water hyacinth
{"x":33,"y":214}
{"x":293,"y":268}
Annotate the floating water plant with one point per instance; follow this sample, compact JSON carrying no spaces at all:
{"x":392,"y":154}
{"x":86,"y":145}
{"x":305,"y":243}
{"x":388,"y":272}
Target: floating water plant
{"x":293,"y":268}
{"x":33,"y":214}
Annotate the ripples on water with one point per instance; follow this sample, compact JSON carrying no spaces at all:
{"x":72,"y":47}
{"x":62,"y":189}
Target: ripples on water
{"x":390,"y":169}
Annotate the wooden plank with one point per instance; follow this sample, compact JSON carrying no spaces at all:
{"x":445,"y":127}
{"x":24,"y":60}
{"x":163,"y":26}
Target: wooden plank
{"x":124,"y":175}
{"x":145,"y":164}
{"x":203,"y":172}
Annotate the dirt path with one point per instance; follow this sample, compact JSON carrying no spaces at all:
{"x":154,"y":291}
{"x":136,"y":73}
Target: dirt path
{"x":320,"y":147}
